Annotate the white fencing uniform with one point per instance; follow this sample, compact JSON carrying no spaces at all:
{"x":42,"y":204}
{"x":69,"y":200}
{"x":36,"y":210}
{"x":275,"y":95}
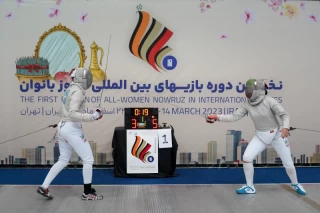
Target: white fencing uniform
{"x":70,"y":131}
{"x":269,"y":118}
{"x":71,"y":135}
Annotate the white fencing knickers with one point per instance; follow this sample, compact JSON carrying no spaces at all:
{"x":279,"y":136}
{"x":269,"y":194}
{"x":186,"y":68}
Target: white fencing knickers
{"x":71,"y":136}
{"x":281,"y":145}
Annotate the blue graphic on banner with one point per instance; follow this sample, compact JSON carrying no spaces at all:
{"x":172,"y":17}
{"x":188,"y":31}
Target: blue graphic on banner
{"x":193,"y":86}
{"x":169,"y":62}
{"x":150,"y":159}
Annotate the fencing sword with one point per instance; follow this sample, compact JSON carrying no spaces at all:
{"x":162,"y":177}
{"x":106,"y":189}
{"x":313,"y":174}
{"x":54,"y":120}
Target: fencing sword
{"x":105,"y":72}
{"x":311,"y":130}
{"x":212,"y":121}
{"x":53,"y":126}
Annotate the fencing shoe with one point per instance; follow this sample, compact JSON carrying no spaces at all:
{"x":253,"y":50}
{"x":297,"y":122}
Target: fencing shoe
{"x":44,"y":192}
{"x":246,"y":190}
{"x":91,"y":196}
{"x":299,"y":189}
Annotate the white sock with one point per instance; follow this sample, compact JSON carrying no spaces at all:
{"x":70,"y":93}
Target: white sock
{"x":54,"y":171}
{"x":291,"y":171}
{"x":248,"y":171}
{"x":87,"y":173}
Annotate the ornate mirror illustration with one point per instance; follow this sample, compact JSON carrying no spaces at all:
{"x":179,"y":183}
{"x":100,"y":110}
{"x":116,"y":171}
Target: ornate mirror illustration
{"x":62,"y":48}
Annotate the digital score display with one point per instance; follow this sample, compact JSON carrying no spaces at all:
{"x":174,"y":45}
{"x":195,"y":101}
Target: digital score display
{"x":141,"y":118}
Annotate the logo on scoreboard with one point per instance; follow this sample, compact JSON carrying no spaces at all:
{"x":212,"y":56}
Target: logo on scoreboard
{"x":148,"y":43}
{"x":141,"y":151}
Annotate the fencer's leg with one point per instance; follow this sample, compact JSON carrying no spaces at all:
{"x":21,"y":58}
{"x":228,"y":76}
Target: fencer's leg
{"x":64,"y":158}
{"x":82,"y":147}
{"x":281,"y":145}
{"x":255,"y":147}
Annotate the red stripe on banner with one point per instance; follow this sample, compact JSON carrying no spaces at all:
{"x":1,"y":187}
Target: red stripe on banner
{"x":162,"y":41}
{"x":145,"y":150}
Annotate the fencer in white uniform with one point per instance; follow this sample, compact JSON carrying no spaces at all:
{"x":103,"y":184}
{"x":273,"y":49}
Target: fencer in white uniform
{"x":271,"y":122}
{"x":71,"y":135}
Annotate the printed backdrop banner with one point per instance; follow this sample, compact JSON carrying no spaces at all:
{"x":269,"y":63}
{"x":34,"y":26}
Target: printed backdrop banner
{"x":187,"y":58}
{"x":142,"y":151}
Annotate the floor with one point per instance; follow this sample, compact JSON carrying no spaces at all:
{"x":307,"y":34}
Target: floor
{"x":161,"y":199}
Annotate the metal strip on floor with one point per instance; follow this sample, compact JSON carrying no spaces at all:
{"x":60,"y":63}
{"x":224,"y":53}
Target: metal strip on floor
{"x":305,"y":199}
{"x":161,"y":199}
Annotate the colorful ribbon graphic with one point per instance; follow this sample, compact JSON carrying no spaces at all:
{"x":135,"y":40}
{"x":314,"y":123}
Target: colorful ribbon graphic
{"x":149,"y":47}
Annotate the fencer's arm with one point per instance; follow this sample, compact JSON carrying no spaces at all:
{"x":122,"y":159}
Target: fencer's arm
{"x":278,"y":109}
{"x":235,"y":116}
{"x":77,"y":99}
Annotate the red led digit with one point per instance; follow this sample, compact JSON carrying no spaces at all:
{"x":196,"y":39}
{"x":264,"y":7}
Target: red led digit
{"x":154,"y":123}
{"x":134,"y":123}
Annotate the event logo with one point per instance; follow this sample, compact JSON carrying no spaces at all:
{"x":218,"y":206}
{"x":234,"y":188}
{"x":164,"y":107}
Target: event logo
{"x":148,"y":44}
{"x":141,"y":151}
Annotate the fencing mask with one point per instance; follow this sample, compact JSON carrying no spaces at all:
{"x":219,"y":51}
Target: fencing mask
{"x":255,"y":90}
{"x":83,"y":77}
